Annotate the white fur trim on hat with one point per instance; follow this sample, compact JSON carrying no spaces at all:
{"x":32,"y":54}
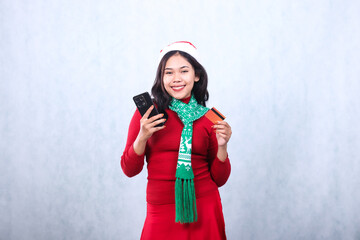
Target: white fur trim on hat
{"x":183,"y":46}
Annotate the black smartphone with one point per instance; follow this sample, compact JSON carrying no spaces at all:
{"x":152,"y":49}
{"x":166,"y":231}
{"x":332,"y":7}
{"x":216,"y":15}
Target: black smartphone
{"x":143,"y":102}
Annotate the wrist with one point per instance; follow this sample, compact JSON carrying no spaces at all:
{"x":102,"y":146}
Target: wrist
{"x":139,"y":145}
{"x":222,"y":153}
{"x":141,"y":138}
{"x":223,"y":147}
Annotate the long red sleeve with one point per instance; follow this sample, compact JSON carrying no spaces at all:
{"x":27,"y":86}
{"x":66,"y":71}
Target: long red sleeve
{"x":131,"y":163}
{"x":162,"y":153}
{"x":220,"y":171}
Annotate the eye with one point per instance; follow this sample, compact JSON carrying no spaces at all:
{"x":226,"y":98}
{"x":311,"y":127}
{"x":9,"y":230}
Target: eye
{"x":185,"y":71}
{"x":168,"y":73}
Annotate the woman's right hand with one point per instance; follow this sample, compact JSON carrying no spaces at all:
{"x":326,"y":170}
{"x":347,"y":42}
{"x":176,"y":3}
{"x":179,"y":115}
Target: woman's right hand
{"x":147,"y":125}
{"x":147,"y":129}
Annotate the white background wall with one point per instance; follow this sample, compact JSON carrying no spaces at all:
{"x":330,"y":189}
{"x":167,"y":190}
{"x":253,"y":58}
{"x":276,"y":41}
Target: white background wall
{"x":285,"y":73}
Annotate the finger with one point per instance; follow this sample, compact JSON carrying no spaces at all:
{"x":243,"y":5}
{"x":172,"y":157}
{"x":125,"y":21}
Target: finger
{"x":223,"y":132}
{"x":223,"y":123}
{"x":225,"y":127}
{"x":154,"y":123}
{"x":156,"y":117}
{"x":219,"y":126}
{"x":159,"y":128}
{"x":147,"y":113}
{"x":155,"y":129}
{"x":224,"y":136}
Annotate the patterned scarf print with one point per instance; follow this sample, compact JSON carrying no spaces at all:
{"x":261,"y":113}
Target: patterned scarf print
{"x":185,"y":201}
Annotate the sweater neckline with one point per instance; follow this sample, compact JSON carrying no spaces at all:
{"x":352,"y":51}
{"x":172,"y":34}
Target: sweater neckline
{"x":186,"y":100}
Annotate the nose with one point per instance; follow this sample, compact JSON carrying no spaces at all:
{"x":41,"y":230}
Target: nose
{"x":177,"y":77}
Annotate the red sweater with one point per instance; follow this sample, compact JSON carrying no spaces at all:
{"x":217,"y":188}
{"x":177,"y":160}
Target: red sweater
{"x":161,"y":153}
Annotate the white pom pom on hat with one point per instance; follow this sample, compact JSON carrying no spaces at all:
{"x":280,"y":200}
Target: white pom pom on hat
{"x":183,"y":46}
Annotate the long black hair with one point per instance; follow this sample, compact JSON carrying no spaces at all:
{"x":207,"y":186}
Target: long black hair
{"x":163,"y":99}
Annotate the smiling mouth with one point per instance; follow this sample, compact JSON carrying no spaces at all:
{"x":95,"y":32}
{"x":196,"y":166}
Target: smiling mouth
{"x":177,"y":88}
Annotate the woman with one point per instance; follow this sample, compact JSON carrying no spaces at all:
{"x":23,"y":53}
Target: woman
{"x":186,"y":158}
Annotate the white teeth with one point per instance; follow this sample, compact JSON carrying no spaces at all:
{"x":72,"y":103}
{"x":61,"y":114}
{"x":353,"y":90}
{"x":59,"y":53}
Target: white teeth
{"x":177,"y":88}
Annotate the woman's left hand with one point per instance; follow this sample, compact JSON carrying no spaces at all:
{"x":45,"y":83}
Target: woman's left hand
{"x":223,"y":132}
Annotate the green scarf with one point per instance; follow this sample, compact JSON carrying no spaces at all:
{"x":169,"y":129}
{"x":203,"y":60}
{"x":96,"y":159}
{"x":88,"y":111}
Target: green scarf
{"x":185,"y":200}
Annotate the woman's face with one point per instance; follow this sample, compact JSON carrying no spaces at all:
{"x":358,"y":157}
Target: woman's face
{"x":179,"y":77}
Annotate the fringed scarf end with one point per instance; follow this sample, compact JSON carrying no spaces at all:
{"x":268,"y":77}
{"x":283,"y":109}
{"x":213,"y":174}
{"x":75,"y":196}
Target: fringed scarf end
{"x":185,"y":201}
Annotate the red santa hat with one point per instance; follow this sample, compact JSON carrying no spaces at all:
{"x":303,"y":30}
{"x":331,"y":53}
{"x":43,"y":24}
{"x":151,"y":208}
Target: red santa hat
{"x":183,"y":46}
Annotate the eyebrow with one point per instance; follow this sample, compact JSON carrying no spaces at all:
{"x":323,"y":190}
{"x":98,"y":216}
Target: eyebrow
{"x":179,"y":68}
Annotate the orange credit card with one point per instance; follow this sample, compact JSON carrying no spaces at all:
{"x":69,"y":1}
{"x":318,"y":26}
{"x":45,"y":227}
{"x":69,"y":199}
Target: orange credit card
{"x":214,"y":115}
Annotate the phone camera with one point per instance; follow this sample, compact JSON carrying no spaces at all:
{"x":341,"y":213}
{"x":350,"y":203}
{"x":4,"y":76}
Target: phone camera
{"x":140,"y":102}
